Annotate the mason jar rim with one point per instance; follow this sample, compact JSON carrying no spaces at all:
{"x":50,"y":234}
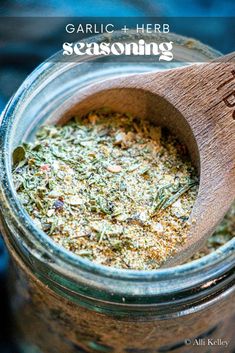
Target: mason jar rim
{"x":34,"y":237}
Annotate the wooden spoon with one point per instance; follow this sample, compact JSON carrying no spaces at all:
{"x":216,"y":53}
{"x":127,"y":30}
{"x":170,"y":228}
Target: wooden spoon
{"x":197,"y":103}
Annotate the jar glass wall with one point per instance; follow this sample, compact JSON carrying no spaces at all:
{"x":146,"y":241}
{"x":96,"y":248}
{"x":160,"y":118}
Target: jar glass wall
{"x":63,"y":303}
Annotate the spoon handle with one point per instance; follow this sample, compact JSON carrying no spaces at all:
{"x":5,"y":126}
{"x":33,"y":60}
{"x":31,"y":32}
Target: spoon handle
{"x":205,"y":95}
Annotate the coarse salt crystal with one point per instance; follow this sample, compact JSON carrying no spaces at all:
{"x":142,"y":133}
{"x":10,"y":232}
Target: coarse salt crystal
{"x":158,"y":227}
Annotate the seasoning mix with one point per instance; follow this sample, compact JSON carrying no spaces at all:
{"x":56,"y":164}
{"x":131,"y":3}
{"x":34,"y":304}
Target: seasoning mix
{"x":109,"y":187}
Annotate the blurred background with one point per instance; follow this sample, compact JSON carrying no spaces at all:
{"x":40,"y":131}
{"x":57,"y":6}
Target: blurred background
{"x":19,"y":58}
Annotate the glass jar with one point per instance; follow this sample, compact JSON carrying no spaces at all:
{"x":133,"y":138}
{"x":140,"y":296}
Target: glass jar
{"x":64,"y":303}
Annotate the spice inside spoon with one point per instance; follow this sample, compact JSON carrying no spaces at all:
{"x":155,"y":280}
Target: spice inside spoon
{"x":197,"y":103}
